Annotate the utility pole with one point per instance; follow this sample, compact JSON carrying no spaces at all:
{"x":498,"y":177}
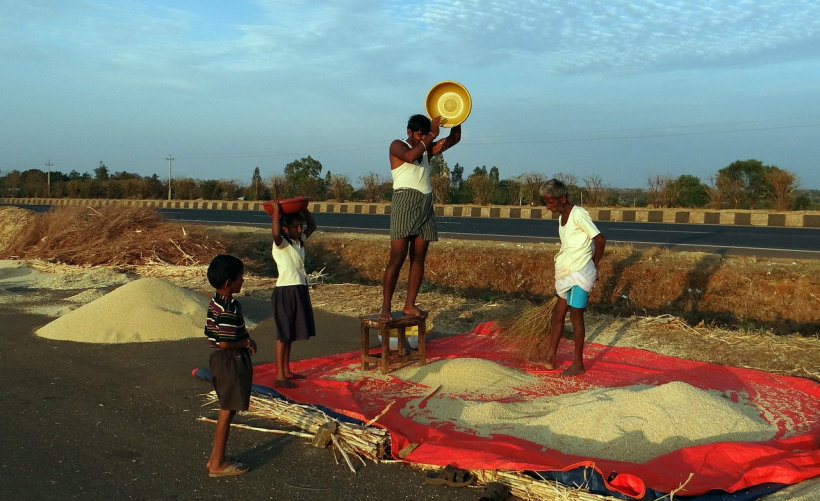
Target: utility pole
{"x":170,"y":160}
{"x":49,"y":164}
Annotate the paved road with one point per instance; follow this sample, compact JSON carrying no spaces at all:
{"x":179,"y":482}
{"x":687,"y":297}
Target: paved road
{"x":796,"y":243}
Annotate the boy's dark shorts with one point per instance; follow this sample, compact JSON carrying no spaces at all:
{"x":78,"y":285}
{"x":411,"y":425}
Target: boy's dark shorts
{"x":232,"y":377}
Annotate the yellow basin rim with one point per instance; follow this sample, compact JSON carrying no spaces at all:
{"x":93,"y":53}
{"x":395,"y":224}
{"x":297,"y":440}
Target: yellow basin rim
{"x":450,"y":100}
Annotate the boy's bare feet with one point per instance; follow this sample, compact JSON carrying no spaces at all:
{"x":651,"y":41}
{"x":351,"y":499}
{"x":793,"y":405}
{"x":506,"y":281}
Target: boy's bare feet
{"x":385,"y":315}
{"x":284,"y":383}
{"x":228,"y":470}
{"x":228,"y":459}
{"x":576,"y":369}
{"x":414,"y":311}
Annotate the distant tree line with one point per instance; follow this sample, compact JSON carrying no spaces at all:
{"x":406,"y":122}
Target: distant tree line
{"x":744,"y":184}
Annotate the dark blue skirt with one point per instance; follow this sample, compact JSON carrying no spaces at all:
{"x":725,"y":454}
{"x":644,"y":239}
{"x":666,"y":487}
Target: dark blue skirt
{"x":292,"y":313}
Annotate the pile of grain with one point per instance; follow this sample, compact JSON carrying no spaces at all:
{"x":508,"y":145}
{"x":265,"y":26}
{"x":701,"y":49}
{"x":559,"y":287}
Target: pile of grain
{"x":631,"y":424}
{"x":149,"y":309}
{"x":471,"y":377}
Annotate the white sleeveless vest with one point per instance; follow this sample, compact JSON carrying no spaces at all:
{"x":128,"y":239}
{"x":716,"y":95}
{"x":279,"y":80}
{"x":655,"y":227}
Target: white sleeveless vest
{"x":413,"y":175}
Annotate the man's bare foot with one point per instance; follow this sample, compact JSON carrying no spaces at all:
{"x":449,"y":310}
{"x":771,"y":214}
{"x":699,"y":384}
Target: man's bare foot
{"x":385,"y":315}
{"x":548,"y":364}
{"x":576,"y":369}
{"x":414,"y":311}
{"x":293,"y":375}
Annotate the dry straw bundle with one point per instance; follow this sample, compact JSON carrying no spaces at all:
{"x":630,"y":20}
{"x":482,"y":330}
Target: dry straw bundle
{"x":350,"y":440}
{"x":524,"y":486}
{"x":528,"y":332}
{"x":111,"y":235}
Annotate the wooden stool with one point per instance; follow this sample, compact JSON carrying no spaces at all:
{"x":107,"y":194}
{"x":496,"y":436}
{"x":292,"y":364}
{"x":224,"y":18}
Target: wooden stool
{"x":400,"y":322}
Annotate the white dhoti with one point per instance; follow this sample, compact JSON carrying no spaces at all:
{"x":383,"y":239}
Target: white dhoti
{"x":584,"y":278}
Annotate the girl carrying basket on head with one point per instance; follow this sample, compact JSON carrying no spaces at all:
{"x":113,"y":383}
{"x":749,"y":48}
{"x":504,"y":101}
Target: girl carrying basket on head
{"x":292,"y":311}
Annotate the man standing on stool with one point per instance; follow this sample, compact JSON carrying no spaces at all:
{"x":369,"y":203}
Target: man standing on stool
{"x":576,"y":270}
{"x":412,"y":219}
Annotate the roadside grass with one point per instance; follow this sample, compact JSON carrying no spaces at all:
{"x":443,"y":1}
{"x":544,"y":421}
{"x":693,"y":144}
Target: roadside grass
{"x":774,"y":295}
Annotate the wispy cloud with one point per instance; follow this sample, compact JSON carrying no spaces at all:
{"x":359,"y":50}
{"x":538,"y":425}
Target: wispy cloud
{"x":280,"y":67}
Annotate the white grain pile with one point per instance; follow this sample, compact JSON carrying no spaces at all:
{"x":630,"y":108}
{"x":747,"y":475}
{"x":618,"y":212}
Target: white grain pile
{"x":631,"y":424}
{"x":149,"y":309}
{"x":468,"y":376}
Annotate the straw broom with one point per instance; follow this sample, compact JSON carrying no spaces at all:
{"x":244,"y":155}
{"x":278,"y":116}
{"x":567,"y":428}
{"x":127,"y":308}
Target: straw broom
{"x":528,"y":333}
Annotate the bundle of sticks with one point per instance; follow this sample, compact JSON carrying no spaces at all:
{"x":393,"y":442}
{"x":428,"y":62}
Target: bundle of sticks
{"x":350,"y":440}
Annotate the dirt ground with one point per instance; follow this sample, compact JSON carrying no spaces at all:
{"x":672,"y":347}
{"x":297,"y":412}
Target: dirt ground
{"x":98,"y":421}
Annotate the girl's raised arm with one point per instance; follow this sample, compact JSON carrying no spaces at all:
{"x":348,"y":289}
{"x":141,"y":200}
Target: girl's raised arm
{"x":311,"y":224}
{"x":275,"y":224}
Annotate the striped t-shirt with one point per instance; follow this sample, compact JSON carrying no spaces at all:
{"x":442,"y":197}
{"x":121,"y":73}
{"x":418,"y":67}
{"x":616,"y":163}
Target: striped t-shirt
{"x":225,"y":321}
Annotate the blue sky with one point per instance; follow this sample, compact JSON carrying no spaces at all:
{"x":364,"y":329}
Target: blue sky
{"x":620,"y":89}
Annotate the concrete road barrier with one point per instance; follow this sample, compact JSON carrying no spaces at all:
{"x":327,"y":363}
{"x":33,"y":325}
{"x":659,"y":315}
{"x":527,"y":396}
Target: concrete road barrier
{"x":803,"y":219}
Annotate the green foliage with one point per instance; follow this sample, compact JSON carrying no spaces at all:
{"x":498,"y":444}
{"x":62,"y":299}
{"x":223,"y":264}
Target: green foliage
{"x":101,"y":172}
{"x":483,"y":184}
{"x":257,"y":188}
{"x":211,"y":190}
{"x":438,"y":166}
{"x":689,"y":191}
{"x":745,"y":183}
{"x":304,"y":178}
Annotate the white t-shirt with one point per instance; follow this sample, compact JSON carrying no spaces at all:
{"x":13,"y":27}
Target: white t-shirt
{"x":413,"y":175}
{"x":290,"y":262}
{"x":576,"y":242}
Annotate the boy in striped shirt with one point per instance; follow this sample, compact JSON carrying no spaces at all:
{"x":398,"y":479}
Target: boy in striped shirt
{"x":230,"y":361}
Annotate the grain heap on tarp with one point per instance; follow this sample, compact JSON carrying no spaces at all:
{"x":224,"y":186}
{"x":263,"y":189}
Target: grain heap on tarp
{"x":469,"y":377}
{"x":149,"y":309}
{"x":633,"y":423}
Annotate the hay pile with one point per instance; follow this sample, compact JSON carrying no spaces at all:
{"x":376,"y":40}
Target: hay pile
{"x":149,"y":309}
{"x":633,"y":424}
{"x":13,"y":222}
{"x":108,"y":235}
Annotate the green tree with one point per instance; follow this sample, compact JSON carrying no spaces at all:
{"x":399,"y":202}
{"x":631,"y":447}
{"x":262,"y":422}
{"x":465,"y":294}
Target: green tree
{"x":690,"y":191}
{"x":457,"y":186}
{"x":211,"y":190}
{"x":509,"y":192}
{"x":483,"y":185}
{"x":304,"y":178}
{"x":746,"y":182}
{"x":257,"y":185}
{"x":440,"y":179}
{"x":438,"y":166}
{"x":101,"y":172}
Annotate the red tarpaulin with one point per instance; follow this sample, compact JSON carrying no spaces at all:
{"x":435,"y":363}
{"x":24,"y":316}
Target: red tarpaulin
{"x":792,"y":404}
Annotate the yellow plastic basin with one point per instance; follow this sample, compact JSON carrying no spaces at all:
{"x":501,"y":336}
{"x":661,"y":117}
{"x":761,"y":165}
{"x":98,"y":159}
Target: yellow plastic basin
{"x":451,"y":101}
